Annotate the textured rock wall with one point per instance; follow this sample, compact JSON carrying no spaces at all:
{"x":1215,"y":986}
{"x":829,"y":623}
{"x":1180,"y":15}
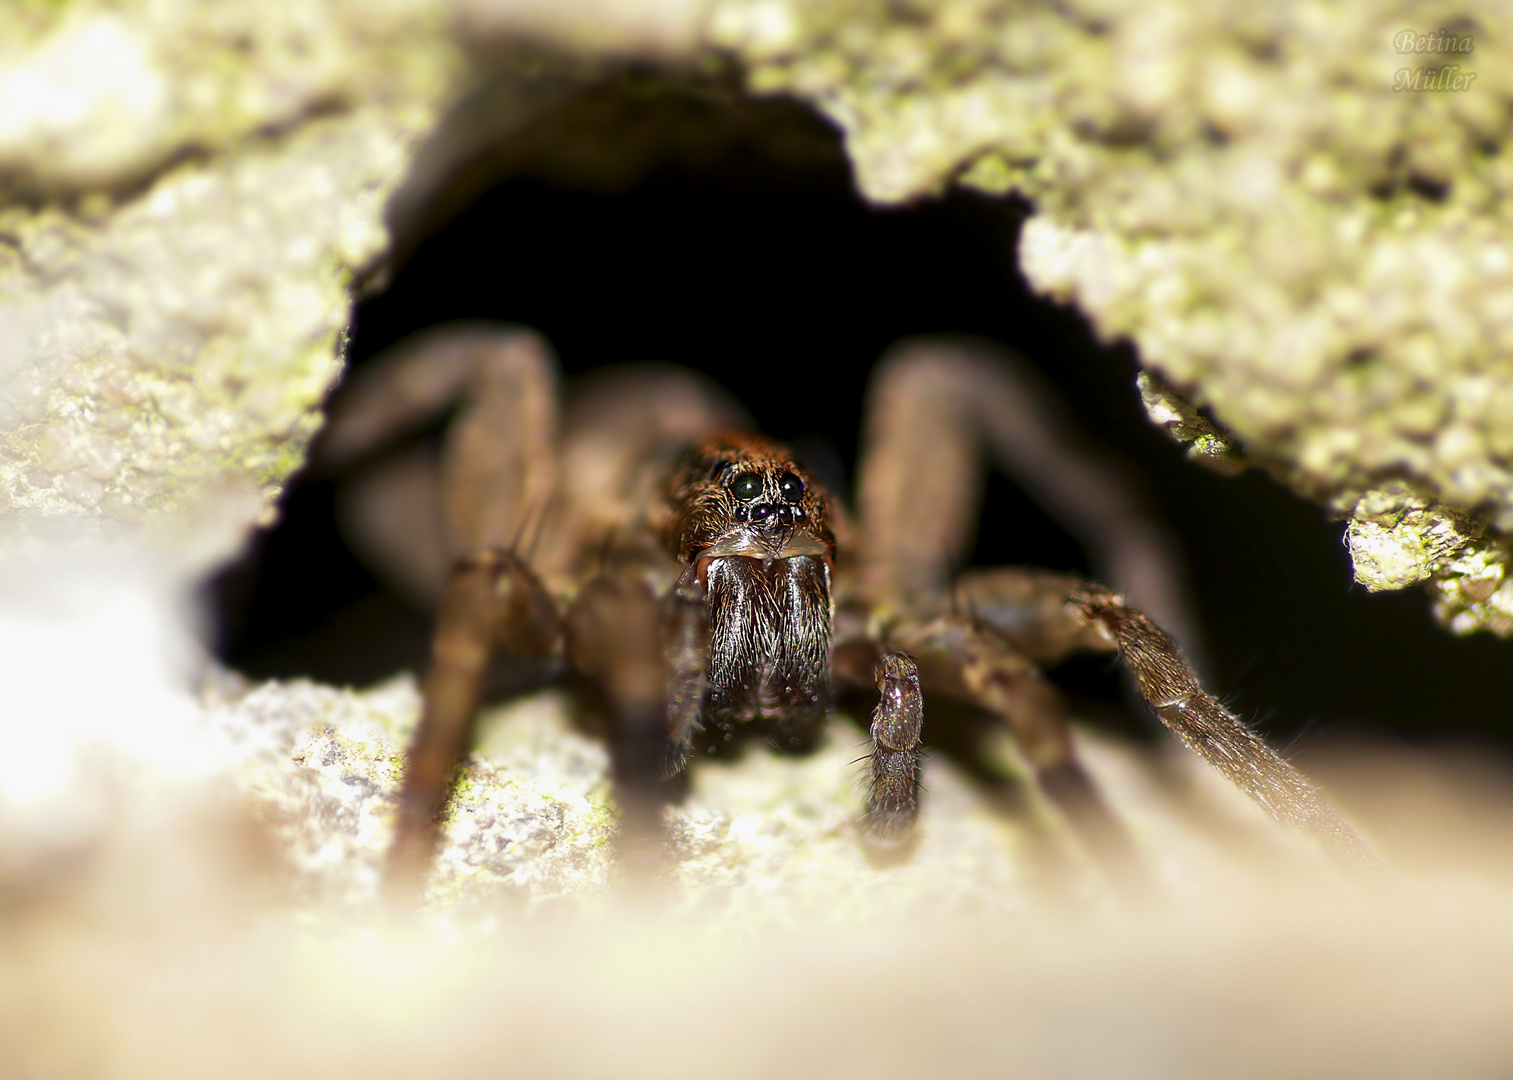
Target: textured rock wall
{"x":1320,"y":259}
{"x":188,"y":194}
{"x":1316,"y":257}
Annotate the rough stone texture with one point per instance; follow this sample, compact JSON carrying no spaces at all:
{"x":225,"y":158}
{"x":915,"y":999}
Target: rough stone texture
{"x":528,"y":824}
{"x":766,"y":841}
{"x":1205,"y":442}
{"x":1320,"y":262}
{"x":193,"y":191}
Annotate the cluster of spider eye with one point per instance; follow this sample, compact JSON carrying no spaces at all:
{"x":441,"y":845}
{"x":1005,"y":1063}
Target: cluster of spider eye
{"x":748,"y":487}
{"x":737,"y":599}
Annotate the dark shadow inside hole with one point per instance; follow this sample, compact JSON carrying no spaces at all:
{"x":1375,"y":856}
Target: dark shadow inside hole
{"x":765,"y":270}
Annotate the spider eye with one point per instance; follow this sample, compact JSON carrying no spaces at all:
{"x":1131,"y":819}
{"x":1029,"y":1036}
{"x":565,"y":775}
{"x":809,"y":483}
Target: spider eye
{"x":720,"y":469}
{"x":790,"y":487}
{"x":747,"y":486}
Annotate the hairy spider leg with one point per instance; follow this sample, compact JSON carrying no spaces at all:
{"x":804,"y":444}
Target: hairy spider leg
{"x":1029,"y":608}
{"x":937,"y":408}
{"x":511,"y":464}
{"x":685,"y":634}
{"x":404,"y":513}
{"x":614,"y":641}
{"x":1168,"y":684}
{"x":493,"y":601}
{"x":893,"y":787}
{"x":964,"y":659}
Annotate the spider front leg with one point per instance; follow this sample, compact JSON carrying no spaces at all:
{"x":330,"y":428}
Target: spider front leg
{"x":578,"y":480}
{"x":937,"y":409}
{"x":615,"y":641}
{"x":497,"y":469}
{"x":411,"y":514}
{"x":965,"y":659}
{"x":493,"y":602}
{"x":647,"y":663}
{"x":1168,"y":684}
{"x":685,"y":635}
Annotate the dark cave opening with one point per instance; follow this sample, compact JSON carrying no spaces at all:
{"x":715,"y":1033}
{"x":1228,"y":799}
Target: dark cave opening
{"x":760,"y":266}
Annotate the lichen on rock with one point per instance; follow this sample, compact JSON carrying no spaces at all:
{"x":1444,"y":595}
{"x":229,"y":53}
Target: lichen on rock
{"x":1319,"y":261}
{"x":531,"y":822}
{"x":195,"y":191}
{"x":527,"y":824}
{"x":1205,"y":442}
{"x":1316,"y":262}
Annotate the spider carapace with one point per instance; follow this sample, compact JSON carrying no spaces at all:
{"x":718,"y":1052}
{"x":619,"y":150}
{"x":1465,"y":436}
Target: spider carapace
{"x":700,"y":587}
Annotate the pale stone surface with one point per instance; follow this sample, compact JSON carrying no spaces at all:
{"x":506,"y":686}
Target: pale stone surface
{"x":200,"y":187}
{"x":765,"y":840}
{"x":531,"y":821}
{"x":528,"y":825}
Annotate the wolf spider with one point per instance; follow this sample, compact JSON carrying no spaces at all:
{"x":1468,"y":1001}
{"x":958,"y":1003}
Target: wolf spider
{"x":704,"y":589}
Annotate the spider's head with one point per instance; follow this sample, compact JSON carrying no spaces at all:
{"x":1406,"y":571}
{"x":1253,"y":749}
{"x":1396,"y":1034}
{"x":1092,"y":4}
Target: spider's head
{"x":754,"y":529}
{"x":742,"y":495}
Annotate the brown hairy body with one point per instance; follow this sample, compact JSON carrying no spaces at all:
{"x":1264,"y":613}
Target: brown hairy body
{"x":701,"y":588}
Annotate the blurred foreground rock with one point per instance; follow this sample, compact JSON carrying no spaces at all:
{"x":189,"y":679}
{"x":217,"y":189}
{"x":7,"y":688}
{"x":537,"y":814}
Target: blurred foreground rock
{"x":198,"y":897}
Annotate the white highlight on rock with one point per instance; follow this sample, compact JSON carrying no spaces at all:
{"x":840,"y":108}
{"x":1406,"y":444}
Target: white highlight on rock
{"x":89,"y":95}
{"x":95,"y":664}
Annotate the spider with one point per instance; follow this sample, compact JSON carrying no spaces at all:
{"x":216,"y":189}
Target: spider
{"x":704,"y":589}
